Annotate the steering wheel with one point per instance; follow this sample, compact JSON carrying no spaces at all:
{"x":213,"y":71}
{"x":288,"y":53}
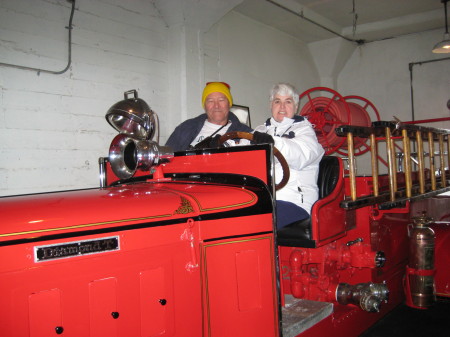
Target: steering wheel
{"x":276,"y":153}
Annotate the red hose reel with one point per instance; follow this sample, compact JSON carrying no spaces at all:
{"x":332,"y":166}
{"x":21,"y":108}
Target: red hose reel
{"x":326,"y":109}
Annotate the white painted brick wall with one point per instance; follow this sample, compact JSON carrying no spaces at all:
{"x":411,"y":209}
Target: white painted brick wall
{"x":380,"y":73}
{"x":52,"y":127}
{"x":252,"y":57}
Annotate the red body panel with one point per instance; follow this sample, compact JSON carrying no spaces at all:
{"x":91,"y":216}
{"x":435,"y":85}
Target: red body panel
{"x":231,"y":160}
{"x":141,"y":259}
{"x":240,"y":264}
{"x":191,"y":251}
{"x":442,"y":258}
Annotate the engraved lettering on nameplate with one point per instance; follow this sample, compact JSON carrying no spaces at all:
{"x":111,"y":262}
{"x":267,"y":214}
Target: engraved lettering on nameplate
{"x":78,"y":248}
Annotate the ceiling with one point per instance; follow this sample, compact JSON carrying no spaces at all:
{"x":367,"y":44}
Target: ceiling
{"x":375,"y":19}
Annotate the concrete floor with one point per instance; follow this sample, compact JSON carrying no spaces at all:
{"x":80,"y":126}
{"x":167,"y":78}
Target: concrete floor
{"x":405,"y":321}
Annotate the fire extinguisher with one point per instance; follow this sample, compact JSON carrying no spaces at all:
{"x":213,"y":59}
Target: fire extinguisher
{"x":419,"y":279}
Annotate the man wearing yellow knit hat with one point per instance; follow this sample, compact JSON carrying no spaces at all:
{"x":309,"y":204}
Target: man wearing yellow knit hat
{"x":206,"y":128}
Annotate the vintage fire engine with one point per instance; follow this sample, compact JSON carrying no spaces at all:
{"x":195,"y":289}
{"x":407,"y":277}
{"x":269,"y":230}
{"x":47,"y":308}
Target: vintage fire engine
{"x":183,"y":244}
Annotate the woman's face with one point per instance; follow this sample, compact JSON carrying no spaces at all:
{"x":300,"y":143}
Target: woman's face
{"x":283,"y":106}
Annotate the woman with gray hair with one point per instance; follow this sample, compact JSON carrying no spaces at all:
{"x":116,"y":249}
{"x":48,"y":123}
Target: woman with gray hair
{"x":295,"y":138}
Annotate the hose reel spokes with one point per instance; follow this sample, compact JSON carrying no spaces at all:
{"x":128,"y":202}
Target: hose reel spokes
{"x":326,"y":109}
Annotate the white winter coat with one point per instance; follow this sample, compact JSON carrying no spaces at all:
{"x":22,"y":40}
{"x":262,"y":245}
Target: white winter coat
{"x":296,"y":140}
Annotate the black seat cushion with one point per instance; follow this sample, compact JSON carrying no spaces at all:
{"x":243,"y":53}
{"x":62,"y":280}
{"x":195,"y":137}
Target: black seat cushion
{"x":328,"y":175}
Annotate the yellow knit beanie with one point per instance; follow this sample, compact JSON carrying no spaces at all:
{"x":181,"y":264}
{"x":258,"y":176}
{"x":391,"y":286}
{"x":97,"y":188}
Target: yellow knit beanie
{"x":222,"y":87}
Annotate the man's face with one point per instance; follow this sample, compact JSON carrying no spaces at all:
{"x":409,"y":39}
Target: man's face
{"x":283,"y":106}
{"x":216,"y":108}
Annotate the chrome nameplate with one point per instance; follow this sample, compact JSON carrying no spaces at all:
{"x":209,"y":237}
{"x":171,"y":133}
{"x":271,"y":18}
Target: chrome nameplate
{"x":77,"y":248}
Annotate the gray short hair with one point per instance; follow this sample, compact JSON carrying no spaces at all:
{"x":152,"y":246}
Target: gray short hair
{"x":284,"y":89}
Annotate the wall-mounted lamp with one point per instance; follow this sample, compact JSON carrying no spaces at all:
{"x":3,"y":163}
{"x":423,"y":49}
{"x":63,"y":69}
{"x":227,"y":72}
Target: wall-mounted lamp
{"x":444,"y":45}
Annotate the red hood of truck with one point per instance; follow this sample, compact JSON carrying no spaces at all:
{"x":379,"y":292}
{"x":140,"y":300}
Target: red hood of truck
{"x":53,"y":213}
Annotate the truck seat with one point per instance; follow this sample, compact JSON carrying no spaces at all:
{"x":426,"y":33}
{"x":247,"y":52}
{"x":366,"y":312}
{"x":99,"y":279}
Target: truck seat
{"x":299,"y":234}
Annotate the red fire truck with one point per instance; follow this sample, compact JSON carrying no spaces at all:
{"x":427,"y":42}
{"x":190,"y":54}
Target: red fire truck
{"x":183,"y":244}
